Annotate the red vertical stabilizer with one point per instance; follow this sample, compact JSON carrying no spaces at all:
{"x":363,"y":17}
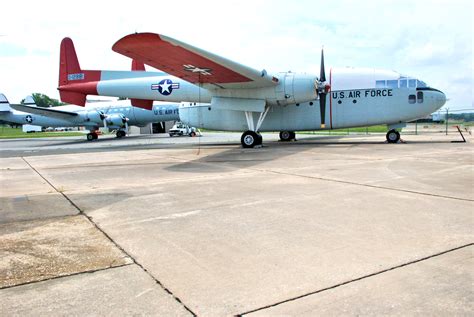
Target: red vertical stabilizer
{"x":75,"y":84}
{"x":140,"y":103}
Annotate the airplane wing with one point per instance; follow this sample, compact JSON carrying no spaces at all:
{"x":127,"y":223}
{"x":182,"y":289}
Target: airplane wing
{"x":191,"y":63}
{"x":47,"y":112}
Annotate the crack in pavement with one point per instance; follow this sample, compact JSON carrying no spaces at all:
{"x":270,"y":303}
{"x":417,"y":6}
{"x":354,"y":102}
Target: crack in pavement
{"x":81,"y":212}
{"x":356,"y":279}
{"x":363,"y":185}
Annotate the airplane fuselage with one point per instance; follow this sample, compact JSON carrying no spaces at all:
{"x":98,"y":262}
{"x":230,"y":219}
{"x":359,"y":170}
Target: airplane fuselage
{"x":358,"y":97}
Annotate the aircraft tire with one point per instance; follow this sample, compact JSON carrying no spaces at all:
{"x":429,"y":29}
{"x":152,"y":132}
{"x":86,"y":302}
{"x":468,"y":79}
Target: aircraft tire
{"x":250,"y":139}
{"x":91,"y":136}
{"x":286,"y":136}
{"x":120,"y":134}
{"x":393,"y":136}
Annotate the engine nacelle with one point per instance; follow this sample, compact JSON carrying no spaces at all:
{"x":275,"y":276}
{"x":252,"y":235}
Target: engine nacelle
{"x":95,"y":116}
{"x":299,"y":88}
{"x":116,"y":120}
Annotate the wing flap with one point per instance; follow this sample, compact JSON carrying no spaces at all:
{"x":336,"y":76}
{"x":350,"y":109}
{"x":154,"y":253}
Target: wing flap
{"x":47,"y":112}
{"x":190,"y":63}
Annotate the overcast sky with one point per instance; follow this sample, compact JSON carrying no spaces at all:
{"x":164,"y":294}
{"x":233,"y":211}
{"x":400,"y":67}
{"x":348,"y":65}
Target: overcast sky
{"x":429,"y":40}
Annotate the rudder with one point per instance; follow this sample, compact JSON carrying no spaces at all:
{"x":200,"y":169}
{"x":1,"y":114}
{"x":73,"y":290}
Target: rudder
{"x":74,"y":83}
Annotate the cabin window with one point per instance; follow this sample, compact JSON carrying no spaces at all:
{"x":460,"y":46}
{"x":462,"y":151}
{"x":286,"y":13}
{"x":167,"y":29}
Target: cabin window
{"x":403,"y":83}
{"x":411,"y":99}
{"x":392,"y":83}
{"x":412,"y":83}
{"x":419,"y":96}
{"x":380,"y":84}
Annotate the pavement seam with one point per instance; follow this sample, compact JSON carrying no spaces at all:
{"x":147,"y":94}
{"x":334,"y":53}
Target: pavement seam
{"x":356,"y":279}
{"x":81,"y":212}
{"x":364,"y":185}
{"x":66,"y":275}
{"x":50,"y":184}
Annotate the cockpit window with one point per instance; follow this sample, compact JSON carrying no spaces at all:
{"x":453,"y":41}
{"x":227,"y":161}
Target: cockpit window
{"x":402,"y":82}
{"x":392,"y":83}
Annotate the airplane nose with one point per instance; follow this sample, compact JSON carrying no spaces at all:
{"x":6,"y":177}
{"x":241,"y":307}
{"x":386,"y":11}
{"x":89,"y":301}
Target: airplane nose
{"x":440,"y":98}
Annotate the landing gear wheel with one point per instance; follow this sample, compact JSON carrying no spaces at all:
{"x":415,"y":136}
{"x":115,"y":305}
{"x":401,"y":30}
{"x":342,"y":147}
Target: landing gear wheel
{"x":92,"y":136}
{"x":393,"y":136}
{"x":287,"y":136}
{"x":192,"y":134}
{"x":250,"y":139}
{"x":120,"y":134}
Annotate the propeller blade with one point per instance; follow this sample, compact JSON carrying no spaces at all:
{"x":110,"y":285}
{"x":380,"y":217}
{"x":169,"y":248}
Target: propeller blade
{"x":322,"y":73}
{"x":322,"y":108}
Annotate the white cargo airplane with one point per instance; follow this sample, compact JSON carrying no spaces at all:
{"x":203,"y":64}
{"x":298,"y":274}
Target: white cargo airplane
{"x":112,"y":114}
{"x":245,"y":99}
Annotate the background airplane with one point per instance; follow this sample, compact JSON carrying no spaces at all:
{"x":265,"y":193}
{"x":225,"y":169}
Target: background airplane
{"x":245,"y":99}
{"x":112,"y":114}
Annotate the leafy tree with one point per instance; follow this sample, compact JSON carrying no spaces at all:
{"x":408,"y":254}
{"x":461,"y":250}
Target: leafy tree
{"x":43,"y":100}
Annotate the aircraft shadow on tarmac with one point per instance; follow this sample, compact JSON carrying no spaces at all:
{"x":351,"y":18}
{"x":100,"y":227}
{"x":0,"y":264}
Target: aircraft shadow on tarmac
{"x":237,"y":158}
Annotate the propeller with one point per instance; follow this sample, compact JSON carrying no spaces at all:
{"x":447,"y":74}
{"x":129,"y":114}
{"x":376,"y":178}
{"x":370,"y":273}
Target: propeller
{"x":103,"y":117}
{"x":322,"y":88}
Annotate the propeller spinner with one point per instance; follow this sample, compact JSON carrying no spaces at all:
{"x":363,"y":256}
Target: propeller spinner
{"x":322,"y":88}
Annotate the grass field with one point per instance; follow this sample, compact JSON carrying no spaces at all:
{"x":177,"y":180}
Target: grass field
{"x":13,"y":133}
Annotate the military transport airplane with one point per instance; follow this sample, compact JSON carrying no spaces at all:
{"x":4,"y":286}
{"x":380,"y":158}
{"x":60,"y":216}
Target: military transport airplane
{"x":245,"y":99}
{"x":112,"y":114}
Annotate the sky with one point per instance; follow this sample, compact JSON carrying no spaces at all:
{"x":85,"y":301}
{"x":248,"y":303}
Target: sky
{"x":426,"y":39}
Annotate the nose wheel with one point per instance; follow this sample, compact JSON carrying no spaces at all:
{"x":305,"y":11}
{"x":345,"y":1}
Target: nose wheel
{"x":251,"y":139}
{"x":393,"y":136}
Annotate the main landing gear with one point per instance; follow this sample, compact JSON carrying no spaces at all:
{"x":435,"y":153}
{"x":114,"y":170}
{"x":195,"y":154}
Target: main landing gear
{"x":92,"y":136}
{"x":120,"y":133}
{"x":287,"y":136}
{"x":252,"y":138}
{"x":393,"y":136}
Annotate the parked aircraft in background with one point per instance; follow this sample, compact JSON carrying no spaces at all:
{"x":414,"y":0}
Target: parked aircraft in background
{"x":245,"y":99}
{"x":112,"y":114}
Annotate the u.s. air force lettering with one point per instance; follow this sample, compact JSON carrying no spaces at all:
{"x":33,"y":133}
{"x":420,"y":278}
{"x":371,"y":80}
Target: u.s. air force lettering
{"x":367,"y":93}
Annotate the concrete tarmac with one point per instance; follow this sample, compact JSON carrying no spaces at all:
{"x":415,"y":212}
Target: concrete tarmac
{"x":199,"y":226}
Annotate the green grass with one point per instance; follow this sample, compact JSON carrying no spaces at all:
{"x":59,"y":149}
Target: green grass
{"x":13,"y":133}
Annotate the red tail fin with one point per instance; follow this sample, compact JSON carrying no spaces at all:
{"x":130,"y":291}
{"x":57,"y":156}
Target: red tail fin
{"x":75,"y":84}
{"x":137,"y":65}
{"x":141,"y":103}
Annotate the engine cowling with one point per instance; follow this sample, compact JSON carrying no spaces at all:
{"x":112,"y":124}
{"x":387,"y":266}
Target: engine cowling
{"x":116,"y":120}
{"x":95,"y":116}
